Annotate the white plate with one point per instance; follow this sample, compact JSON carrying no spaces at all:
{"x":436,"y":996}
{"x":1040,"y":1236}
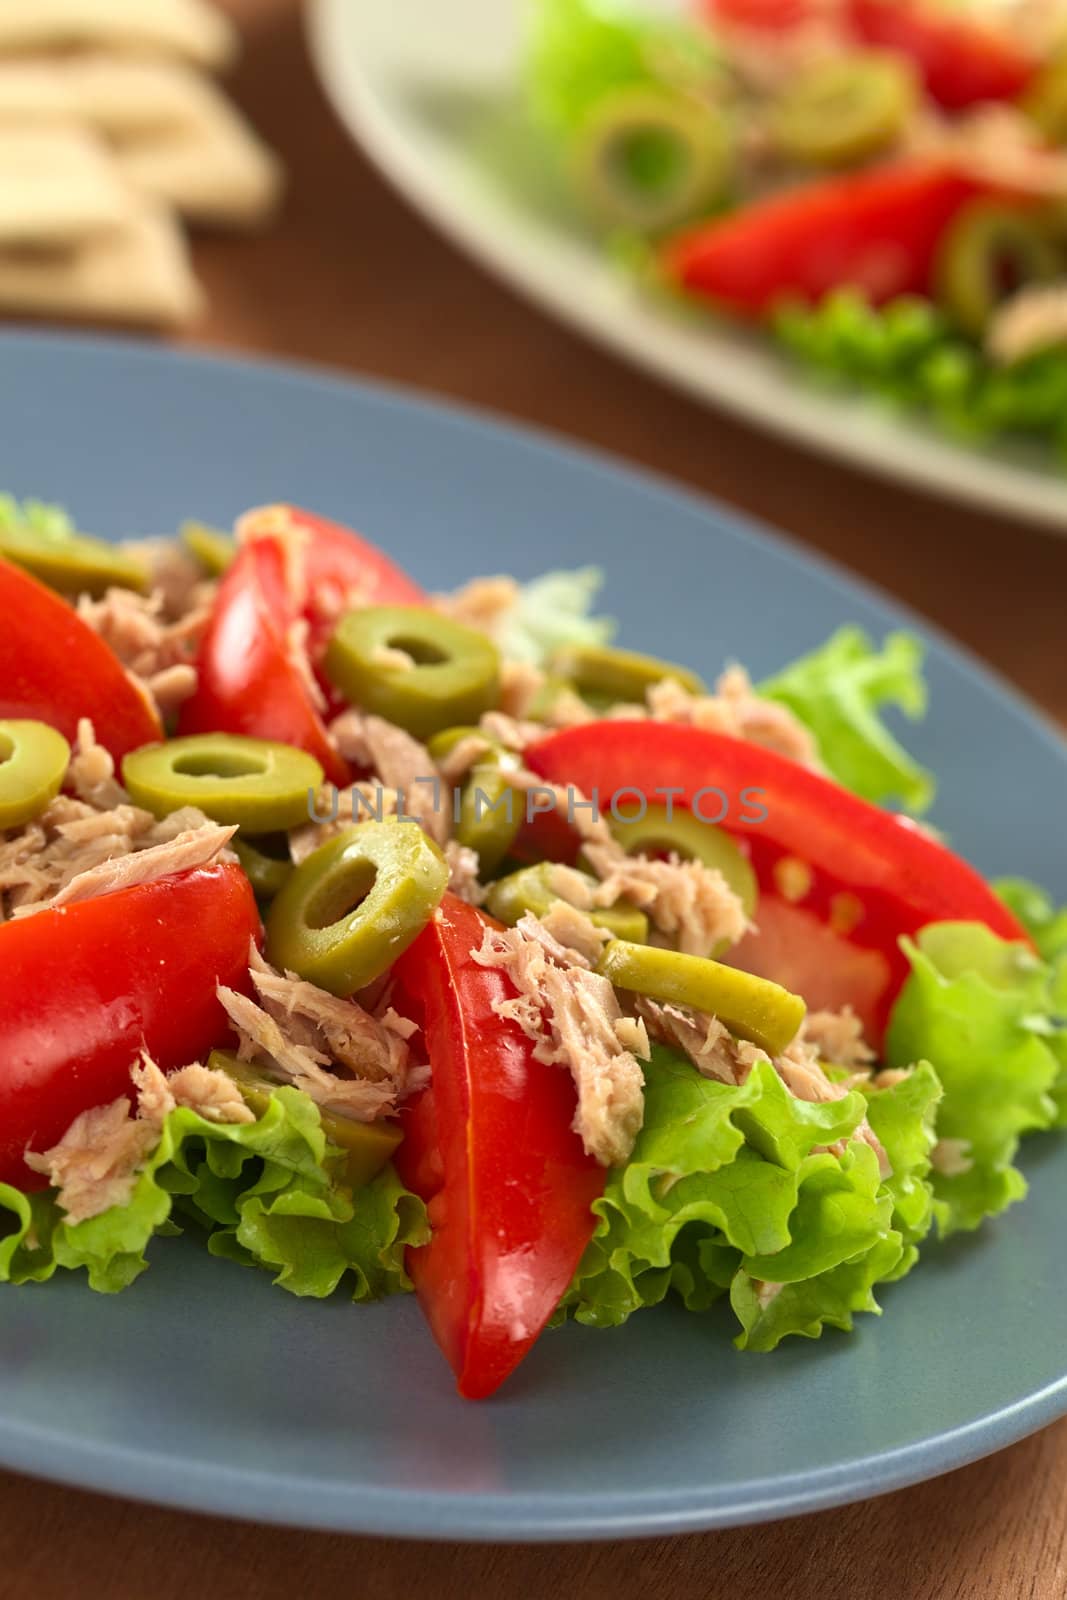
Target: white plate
{"x":420,"y":83}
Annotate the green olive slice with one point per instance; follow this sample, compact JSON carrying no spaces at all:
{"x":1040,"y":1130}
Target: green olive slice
{"x":645,"y":158}
{"x":33,"y":764}
{"x":530,"y":889}
{"x":490,"y":813}
{"x":601,"y":673}
{"x":355,"y":904}
{"x":42,"y":540}
{"x":451,"y":673}
{"x":261,"y":786}
{"x":844,"y":110}
{"x":366,"y":1146}
{"x":1045,"y":99}
{"x":659,"y":834}
{"x":753,"y":1008}
{"x":990,"y":252}
{"x":266,"y":869}
{"x":212,"y":549}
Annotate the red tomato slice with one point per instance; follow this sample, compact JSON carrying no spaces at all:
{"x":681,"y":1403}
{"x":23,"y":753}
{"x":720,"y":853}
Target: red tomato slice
{"x":877,"y":231}
{"x":840,"y":880}
{"x":341,"y":569}
{"x":84,"y":987}
{"x":55,"y":669}
{"x":489,"y":1147}
{"x":961,"y":59}
{"x":248,"y":682}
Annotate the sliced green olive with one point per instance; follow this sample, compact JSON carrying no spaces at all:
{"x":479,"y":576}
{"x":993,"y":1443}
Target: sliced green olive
{"x":266,"y":863}
{"x":355,"y":904}
{"x":33,"y":764}
{"x":601,"y":673}
{"x":844,"y":110}
{"x":645,"y":158}
{"x":452,"y":676}
{"x":753,"y":1008}
{"x":213,"y":549}
{"x":261,"y":786}
{"x":657,"y":834}
{"x":43,"y":541}
{"x":989,"y":252}
{"x":530,"y":889}
{"x":367,"y":1146}
{"x":490,"y":811}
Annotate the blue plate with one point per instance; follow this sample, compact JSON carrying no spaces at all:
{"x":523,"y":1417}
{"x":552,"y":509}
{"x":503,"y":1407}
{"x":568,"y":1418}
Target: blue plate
{"x":205,"y":1386}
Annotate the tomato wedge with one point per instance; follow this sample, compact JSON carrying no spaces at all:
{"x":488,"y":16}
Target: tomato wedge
{"x":84,"y":987}
{"x":248,"y":681}
{"x":55,"y":669}
{"x":772,"y":15}
{"x":840,"y":880}
{"x":961,"y":59}
{"x":341,"y":569}
{"x":489,"y":1147}
{"x":877,"y":231}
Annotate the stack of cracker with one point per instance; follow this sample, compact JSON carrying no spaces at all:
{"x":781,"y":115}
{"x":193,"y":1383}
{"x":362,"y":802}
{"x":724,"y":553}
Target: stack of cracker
{"x":112,"y":132}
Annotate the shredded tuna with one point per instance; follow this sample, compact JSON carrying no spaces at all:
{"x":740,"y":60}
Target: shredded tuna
{"x":157,"y":653}
{"x":197,"y":847}
{"x":520,"y":684}
{"x":349,"y":739}
{"x":573,"y":1017}
{"x":212,"y":1095}
{"x":276,"y":522}
{"x":512,"y":732}
{"x":689,"y":902}
{"x":951,"y":1157}
{"x":91,"y":773}
{"x":341,"y":1055}
{"x":582,"y":941}
{"x":1034,"y":319}
{"x":484,"y":603}
{"x":708,"y":1044}
{"x":736,"y":709}
{"x":174,"y":575}
{"x":463,"y":757}
{"x":766,"y":1292}
{"x":95,"y":1164}
{"x":837,"y":1036}
{"x":463,"y":872}
{"x":999,"y":145}
{"x":404,"y":764}
{"x":73,"y":838}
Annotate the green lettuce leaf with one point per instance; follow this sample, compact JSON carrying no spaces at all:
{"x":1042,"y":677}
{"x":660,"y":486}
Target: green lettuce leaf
{"x":578,"y":51}
{"x":838,"y":692}
{"x":268,"y":1193}
{"x":730,"y":1188}
{"x":1044,"y":921}
{"x":983,"y":1011}
{"x":555,"y":610}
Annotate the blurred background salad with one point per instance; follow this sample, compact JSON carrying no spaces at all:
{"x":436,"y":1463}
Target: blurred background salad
{"x":880,"y":184}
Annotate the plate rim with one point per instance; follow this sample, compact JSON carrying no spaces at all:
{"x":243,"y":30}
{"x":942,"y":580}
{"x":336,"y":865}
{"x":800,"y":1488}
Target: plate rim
{"x":906,"y":454}
{"x":304,"y":1501}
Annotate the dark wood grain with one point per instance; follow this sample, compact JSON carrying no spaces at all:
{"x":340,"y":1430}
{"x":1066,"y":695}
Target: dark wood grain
{"x":354,"y":279}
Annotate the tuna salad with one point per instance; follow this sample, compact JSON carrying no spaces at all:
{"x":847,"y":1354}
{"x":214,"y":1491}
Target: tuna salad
{"x":877,"y":185}
{"x":393,"y":941}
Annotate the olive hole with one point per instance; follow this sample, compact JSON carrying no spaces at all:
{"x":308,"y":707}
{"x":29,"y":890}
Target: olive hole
{"x":219,"y":764}
{"x":7,"y":747}
{"x":341,"y":894}
{"x":649,"y":159}
{"x":421,"y":651}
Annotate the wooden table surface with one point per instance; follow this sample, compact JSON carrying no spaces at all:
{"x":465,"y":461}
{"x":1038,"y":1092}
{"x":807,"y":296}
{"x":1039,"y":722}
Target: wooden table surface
{"x":353,"y":278}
